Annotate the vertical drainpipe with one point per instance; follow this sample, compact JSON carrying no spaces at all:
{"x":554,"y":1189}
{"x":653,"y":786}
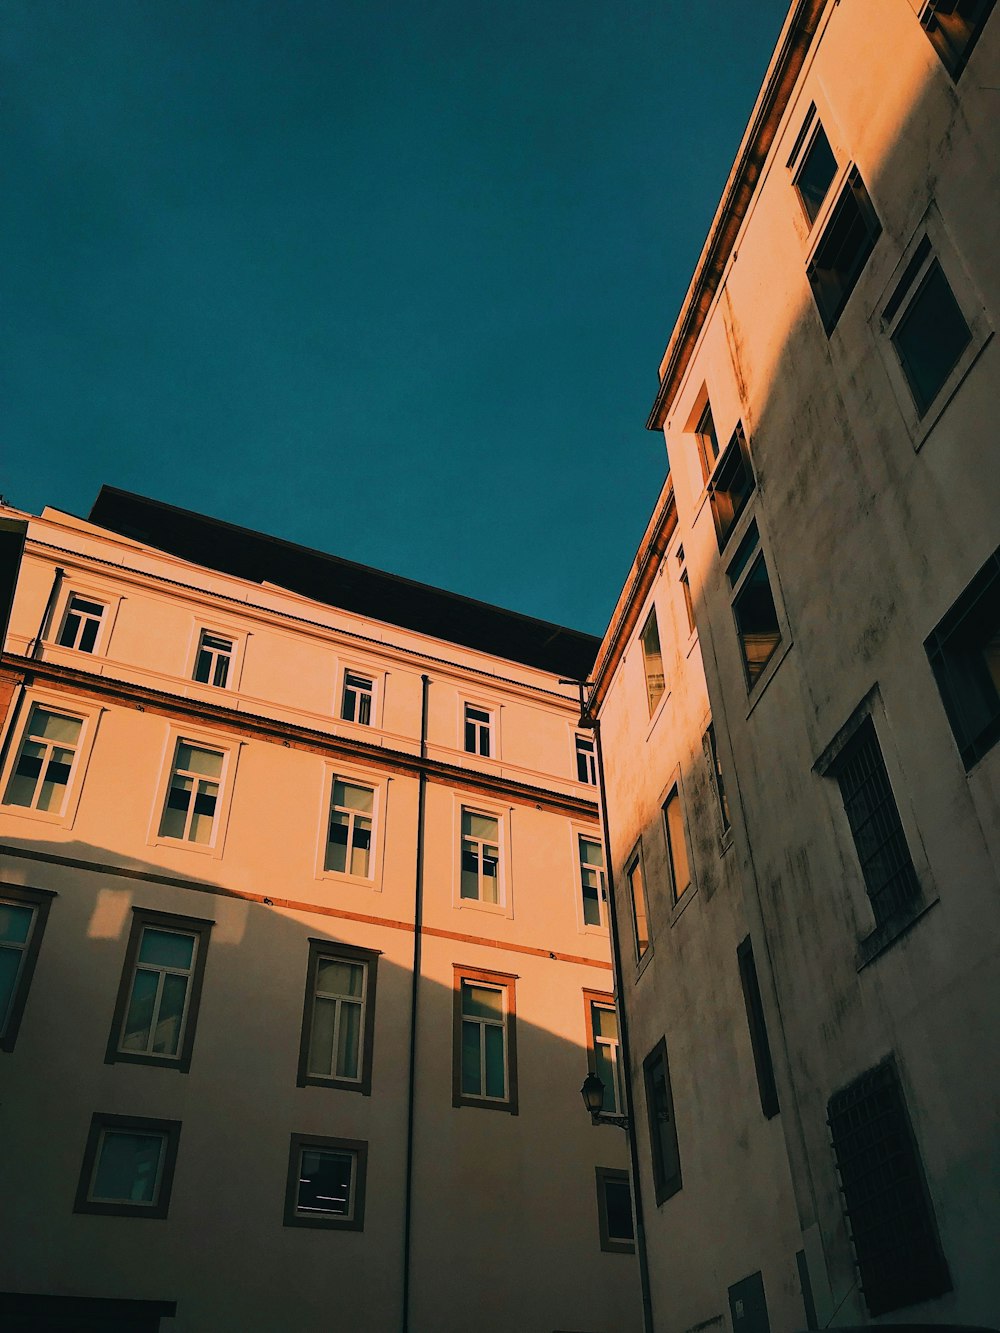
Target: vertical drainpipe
{"x":34,"y":647}
{"x":418,"y":904}
{"x":623,"y":1041}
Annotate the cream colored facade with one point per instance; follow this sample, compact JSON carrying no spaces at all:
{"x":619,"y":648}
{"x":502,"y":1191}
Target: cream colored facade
{"x":503,"y":1207}
{"x":842,"y":557}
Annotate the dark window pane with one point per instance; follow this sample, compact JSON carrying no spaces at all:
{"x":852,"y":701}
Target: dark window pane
{"x":953,"y":27}
{"x":930,"y":337}
{"x":324,"y":1182}
{"x":618,"y":1209}
{"x":89,"y":636}
{"x":756,"y":622}
{"x":815,"y":175}
{"x":842,"y":253}
{"x":731,"y":486}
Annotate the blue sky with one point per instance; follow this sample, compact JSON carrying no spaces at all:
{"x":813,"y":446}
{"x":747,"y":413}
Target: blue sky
{"x":388,"y":279}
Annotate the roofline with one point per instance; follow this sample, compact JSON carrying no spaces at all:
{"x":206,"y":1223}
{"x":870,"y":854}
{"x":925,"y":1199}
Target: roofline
{"x":642,"y":575}
{"x":801,"y":24}
{"x":340,"y":560}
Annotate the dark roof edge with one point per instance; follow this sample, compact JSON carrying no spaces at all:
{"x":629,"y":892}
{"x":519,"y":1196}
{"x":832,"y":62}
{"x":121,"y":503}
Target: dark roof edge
{"x":783,"y":71}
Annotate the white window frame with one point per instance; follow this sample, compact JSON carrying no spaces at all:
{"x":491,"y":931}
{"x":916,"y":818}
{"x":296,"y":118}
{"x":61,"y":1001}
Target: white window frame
{"x":377,"y":675}
{"x":359,"y":695}
{"x":591,"y":833}
{"x":164,"y":971}
{"x":379,"y":784}
{"x":678,"y":901}
{"x":748,"y":518}
{"x":971,"y":304}
{"x":90,"y":591}
{"x":591,"y":739}
{"x":503,"y":814}
{"x":593,"y":1001}
{"x":636,"y":857}
{"x":138,"y":1130}
{"x":224,"y":629}
{"x":89,"y":715}
{"x":493,"y":726}
{"x":230,"y":749}
{"x":216,"y":655}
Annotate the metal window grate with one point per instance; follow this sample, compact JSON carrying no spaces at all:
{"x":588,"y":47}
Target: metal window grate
{"x":885,"y":1197}
{"x":878,"y":834}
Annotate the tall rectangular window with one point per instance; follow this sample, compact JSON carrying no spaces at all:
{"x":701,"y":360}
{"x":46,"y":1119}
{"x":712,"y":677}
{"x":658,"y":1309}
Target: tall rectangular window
{"x":81,"y":624}
{"x":480,"y":854}
{"x":614,"y":1211}
{"x":758,"y":1029}
{"x":160,"y":991}
{"x":640,"y":914}
{"x":484,"y":1071}
{"x":478,"y":730}
{"x":326,"y":1183}
{"x":708,"y":440}
{"x":193,"y":795}
{"x":214,"y":659}
{"x":677,"y":857}
{"x":349,"y":842}
{"x":895,"y":1236}
{"x":652,"y":661}
{"x":731,"y":486}
{"x":926,"y":326}
{"x":753,"y":607}
{"x":586,"y":764}
{"x":953,"y":27}
{"x":716,"y":776}
{"x":848,"y":239}
{"x":338,"y":1022}
{"x":603,"y":1056}
{"x":128,"y":1166}
{"x":816,"y":169}
{"x":358,"y":696}
{"x":964,"y":653}
{"x":662,"y":1129}
{"x":878,"y":835}
{"x":41,"y":775}
{"x":593,"y":884}
{"x":23,"y":914}
{"x":685,"y":583}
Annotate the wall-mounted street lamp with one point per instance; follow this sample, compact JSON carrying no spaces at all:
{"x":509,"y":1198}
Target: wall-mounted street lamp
{"x":592,"y":1093}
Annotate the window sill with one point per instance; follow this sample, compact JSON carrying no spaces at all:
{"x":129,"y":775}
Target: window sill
{"x":725,"y":841}
{"x":692,"y":643}
{"x":768,"y":675}
{"x":340,"y":1084}
{"x":921,"y":427}
{"x":41,"y":816}
{"x":341,"y":877}
{"x":493,"y":909}
{"x":181,"y":1063}
{"x":183,"y":845}
{"x":654,"y":717}
{"x":482,"y":1104}
{"x":643,"y":962}
{"x":681,"y":904}
{"x":886,"y":934}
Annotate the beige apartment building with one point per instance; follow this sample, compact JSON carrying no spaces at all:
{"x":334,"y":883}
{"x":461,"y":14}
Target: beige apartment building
{"x":304,"y":951}
{"x":798,"y":701}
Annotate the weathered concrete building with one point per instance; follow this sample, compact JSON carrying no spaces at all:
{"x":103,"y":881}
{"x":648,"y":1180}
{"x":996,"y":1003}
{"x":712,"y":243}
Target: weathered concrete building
{"x":303,"y":949}
{"x":828,"y":401}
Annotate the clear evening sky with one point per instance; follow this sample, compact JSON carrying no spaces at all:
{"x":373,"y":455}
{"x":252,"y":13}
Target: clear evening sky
{"x":391,"y":278}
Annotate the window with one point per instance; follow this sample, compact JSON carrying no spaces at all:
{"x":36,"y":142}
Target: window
{"x":349,"y":844}
{"x":731,"y":487}
{"x":193,"y":795}
{"x":708,"y":440}
{"x":81,"y":624}
{"x":878,"y":835}
{"x":359,"y":694}
{"x":715,"y":775}
{"x":926,"y":327}
{"x":848,"y":239}
{"x":953,"y":27}
{"x":157,"y":1007}
{"x":484,"y":1069}
{"x":478,"y":730}
{"x":753,"y":607}
{"x":128,"y":1166}
{"x":614,"y":1211}
{"x":758,"y":1030}
{"x":326,"y":1183}
{"x":685,"y":583}
{"x":45,"y":761}
{"x":480,"y":857}
{"x":964,"y":653}
{"x":640,"y":915}
{"x":816,"y":168}
{"x":214,"y":659}
{"x":593,"y":884}
{"x":338,"y":1021}
{"x":885,"y":1196}
{"x":662,"y":1130}
{"x":652,"y":661}
{"x":602,"y":1049}
{"x":677,"y":857}
{"x":586,"y":764}
{"x":23,"y":914}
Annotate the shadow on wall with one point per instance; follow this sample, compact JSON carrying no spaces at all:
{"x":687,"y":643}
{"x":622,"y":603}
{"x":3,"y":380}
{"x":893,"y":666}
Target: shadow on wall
{"x":495,"y":1192}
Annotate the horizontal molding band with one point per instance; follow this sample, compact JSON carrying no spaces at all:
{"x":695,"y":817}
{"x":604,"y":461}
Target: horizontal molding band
{"x":292,"y":905}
